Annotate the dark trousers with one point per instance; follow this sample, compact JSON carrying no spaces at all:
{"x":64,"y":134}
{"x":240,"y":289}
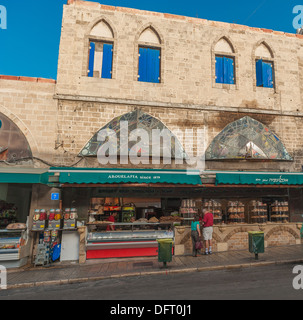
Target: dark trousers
{"x":194,"y":239}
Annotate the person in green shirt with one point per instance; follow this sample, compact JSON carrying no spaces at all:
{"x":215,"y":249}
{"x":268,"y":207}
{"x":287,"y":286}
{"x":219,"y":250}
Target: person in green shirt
{"x":195,"y":234}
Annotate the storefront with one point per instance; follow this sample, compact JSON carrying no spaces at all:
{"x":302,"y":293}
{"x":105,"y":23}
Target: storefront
{"x":249,"y":201}
{"x":108,"y":213}
{"x":15,"y":201}
{"x":144,"y":203}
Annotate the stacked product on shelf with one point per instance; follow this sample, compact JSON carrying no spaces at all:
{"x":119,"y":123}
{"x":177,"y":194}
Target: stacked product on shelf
{"x":257,"y":212}
{"x":8,"y":214}
{"x":188,"y":210}
{"x":279,"y":211}
{"x":235,"y":212}
{"x":215,"y":208}
{"x":128,"y":213}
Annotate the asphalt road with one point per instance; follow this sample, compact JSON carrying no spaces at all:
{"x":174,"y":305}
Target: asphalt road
{"x":265,"y":283}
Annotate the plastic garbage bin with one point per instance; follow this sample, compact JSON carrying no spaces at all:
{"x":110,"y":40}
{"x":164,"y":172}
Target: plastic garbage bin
{"x":256,"y":242}
{"x":165,"y":247}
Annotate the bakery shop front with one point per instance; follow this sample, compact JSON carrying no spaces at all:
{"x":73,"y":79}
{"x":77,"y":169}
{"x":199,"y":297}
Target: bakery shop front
{"x":150,"y":204}
{"x":249,"y":201}
{"x":123,"y":212}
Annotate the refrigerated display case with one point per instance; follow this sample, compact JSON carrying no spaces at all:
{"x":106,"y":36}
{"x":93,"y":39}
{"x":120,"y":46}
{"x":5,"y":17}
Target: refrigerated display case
{"x":128,"y":240}
{"x":13,"y":248}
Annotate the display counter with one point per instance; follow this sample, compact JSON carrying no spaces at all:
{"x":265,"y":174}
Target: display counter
{"x":127,"y":240}
{"x":14,"y":249}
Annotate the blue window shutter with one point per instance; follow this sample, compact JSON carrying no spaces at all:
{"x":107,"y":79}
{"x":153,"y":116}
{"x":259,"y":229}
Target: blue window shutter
{"x":91,"y":59}
{"x":149,"y":65}
{"x":259,"y":73}
{"x":154,"y":65}
{"x":228,"y":70}
{"x":267,"y":74}
{"x":107,"y":62}
{"x":142,"y":72}
{"x":219,"y":70}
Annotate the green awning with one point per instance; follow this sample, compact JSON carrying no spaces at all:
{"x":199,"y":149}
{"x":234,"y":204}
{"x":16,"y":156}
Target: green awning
{"x":265,"y":178}
{"x":103,"y":176}
{"x":23,"y":175}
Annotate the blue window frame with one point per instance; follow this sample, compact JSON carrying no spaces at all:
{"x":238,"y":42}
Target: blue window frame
{"x":264,"y":74}
{"x":225,"y":69}
{"x":149,"y":65}
{"x":100,"y":60}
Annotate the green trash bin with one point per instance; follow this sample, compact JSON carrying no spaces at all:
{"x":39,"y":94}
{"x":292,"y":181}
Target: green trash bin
{"x":165,"y":247}
{"x":256,"y":242}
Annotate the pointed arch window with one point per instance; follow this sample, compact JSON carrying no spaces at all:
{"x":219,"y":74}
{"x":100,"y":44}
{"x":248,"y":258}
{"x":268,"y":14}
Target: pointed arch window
{"x":225,"y":62}
{"x":101,"y":45}
{"x":149,"y":64}
{"x":247,"y":138}
{"x":264,"y":67}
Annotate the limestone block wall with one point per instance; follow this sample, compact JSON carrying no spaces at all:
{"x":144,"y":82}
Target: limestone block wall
{"x":29,"y":103}
{"x":187,"y":60}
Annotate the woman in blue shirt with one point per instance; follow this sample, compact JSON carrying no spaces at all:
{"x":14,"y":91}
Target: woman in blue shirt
{"x":195,"y":234}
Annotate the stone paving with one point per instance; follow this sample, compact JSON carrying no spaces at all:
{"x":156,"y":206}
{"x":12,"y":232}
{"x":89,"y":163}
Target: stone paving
{"x":94,"y":270}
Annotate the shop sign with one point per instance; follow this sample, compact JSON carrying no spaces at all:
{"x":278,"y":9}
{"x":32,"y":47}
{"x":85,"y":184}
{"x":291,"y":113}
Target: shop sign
{"x":277,"y":180}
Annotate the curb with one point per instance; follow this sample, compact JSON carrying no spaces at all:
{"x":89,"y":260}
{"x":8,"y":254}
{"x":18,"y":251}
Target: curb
{"x":156,"y":272}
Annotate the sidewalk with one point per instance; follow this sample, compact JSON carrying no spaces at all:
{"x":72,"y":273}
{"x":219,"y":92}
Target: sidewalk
{"x":94,"y":270}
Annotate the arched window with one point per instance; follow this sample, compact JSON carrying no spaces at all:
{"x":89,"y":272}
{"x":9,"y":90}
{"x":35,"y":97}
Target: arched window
{"x":123,"y":132}
{"x":225,"y":62}
{"x":13,"y":143}
{"x":149,"y":64}
{"x":247,"y":138}
{"x":264,"y":66}
{"x":101,"y":45}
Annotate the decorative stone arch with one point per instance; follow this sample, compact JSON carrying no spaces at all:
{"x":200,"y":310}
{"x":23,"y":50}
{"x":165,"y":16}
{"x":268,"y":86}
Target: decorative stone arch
{"x":154,"y":29}
{"x":247,"y":138}
{"x":23,"y":128}
{"x":233,"y":53}
{"x":228,"y":40}
{"x":234,"y":231}
{"x":282,"y":228}
{"x":88,"y":37}
{"x":97,"y":21}
{"x":268,"y":47}
{"x":217,"y":238}
{"x":146,"y":119}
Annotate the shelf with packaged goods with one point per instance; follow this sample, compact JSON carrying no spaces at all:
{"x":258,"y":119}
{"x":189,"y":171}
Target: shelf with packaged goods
{"x":235,"y":212}
{"x":214,"y":207}
{"x":279,"y":211}
{"x":257,"y":212}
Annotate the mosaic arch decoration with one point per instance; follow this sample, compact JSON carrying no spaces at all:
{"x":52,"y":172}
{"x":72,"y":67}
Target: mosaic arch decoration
{"x":138,"y":120}
{"x":13,"y":143}
{"x":247,"y":138}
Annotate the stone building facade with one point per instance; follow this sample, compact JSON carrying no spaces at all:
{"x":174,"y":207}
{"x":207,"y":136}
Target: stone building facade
{"x":59,"y":117}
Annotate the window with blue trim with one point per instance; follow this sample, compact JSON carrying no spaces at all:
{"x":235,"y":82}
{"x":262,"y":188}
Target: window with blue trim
{"x":100,"y":59}
{"x":265,"y":73}
{"x":225,"y":69}
{"x":149,"y":64}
